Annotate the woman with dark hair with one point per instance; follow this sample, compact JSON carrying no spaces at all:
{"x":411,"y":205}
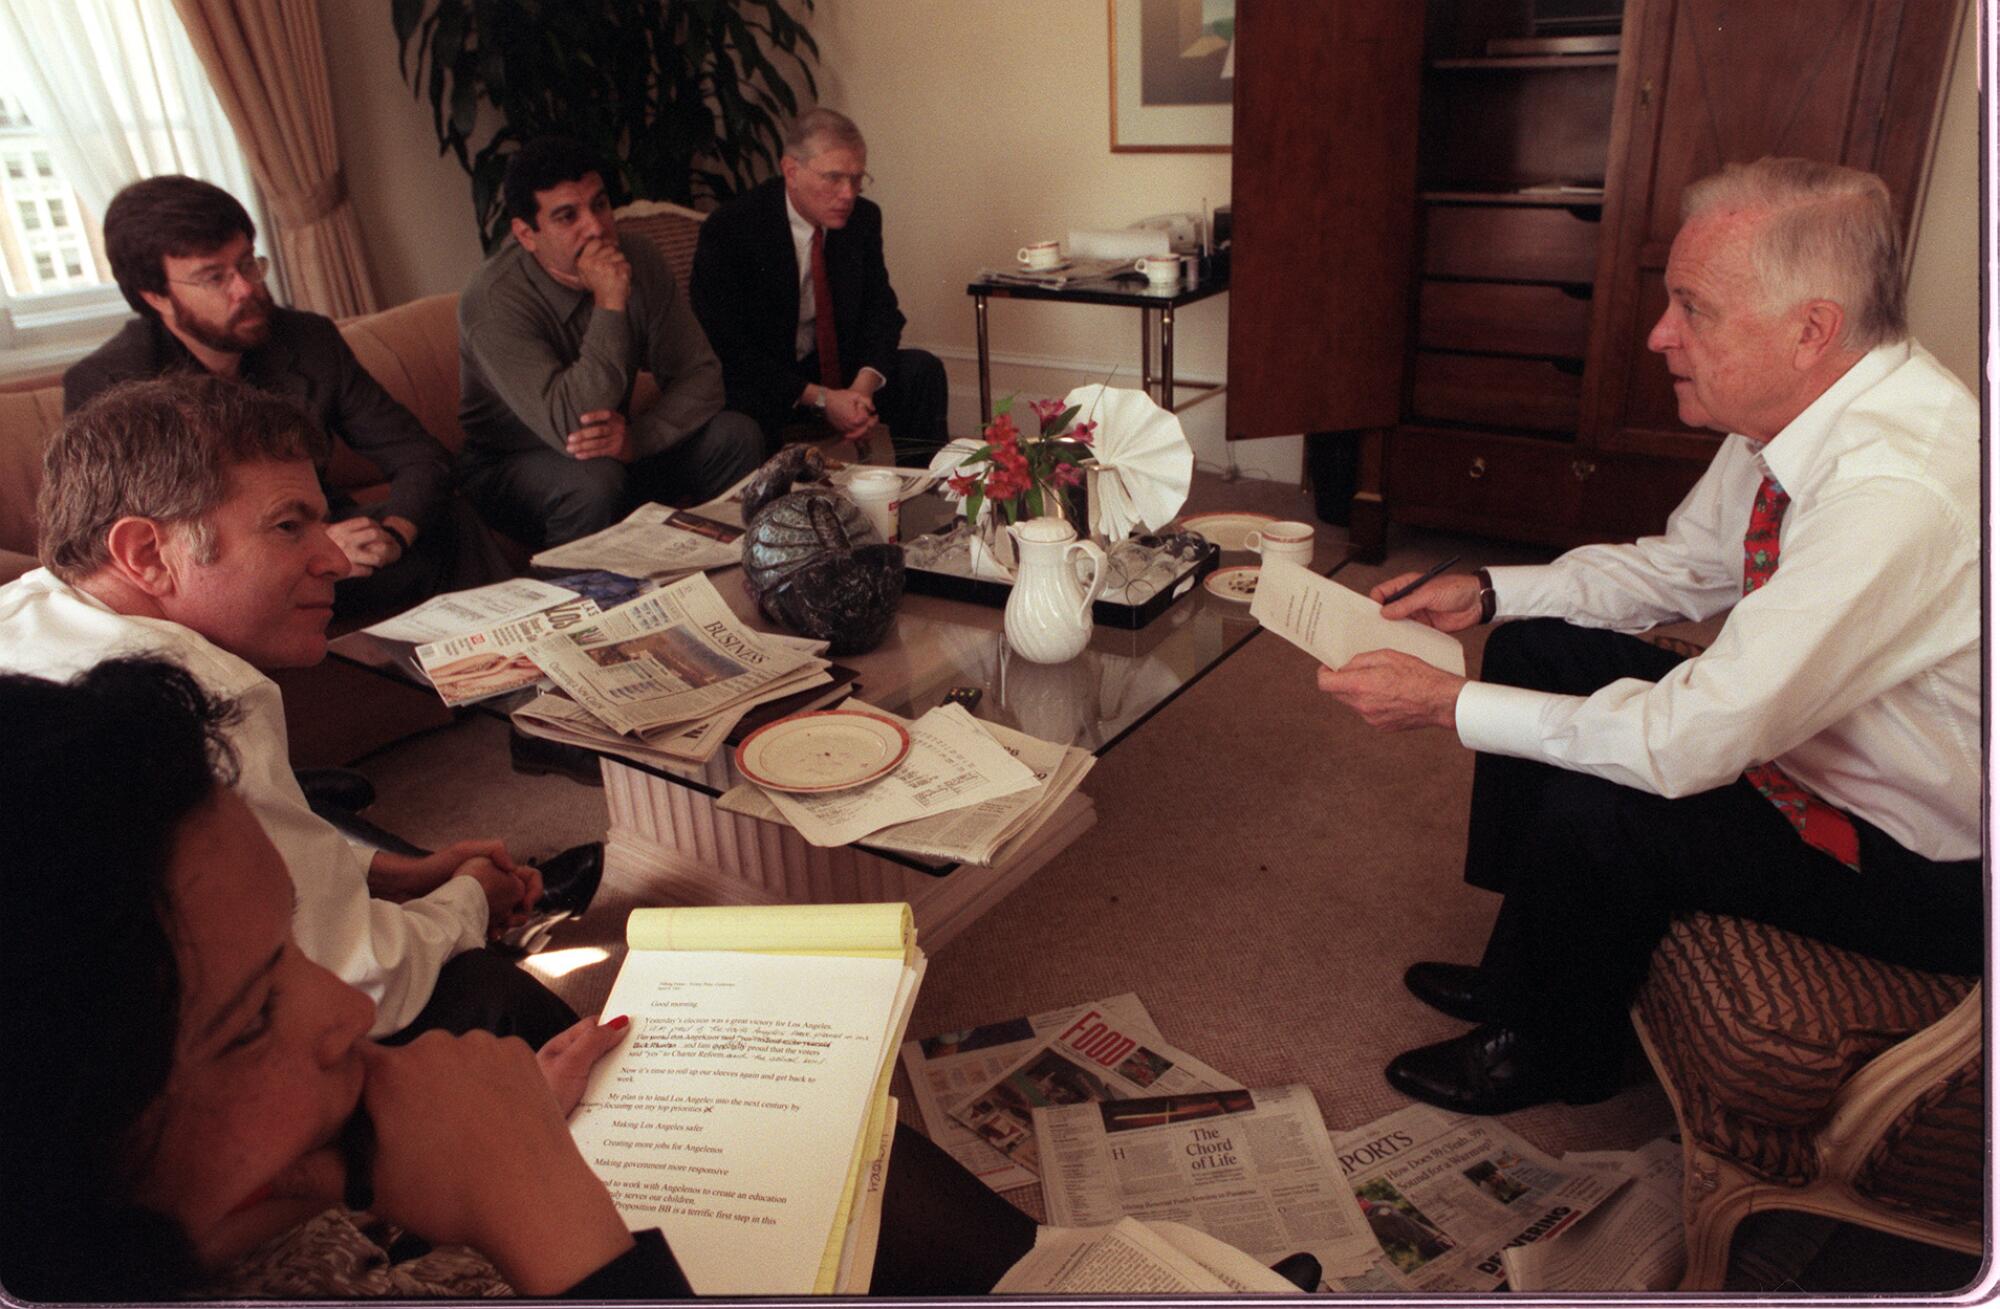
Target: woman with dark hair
{"x":190,"y":1105}
{"x":182,"y":1084}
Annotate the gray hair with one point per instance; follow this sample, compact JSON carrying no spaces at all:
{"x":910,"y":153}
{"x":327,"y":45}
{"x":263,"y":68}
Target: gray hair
{"x":1830,"y":234}
{"x":819,"y":129}
{"x":161,"y":449}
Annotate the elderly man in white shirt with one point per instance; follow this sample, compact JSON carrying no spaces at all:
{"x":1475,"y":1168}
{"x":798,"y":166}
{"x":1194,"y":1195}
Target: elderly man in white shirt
{"x":182,"y":517}
{"x":1818,"y":767}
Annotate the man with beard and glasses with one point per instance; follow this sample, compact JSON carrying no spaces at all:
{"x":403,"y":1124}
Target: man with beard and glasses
{"x":184,"y":255}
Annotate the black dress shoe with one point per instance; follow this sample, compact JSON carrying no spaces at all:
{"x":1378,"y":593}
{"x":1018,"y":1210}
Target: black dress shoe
{"x":1456,"y":989}
{"x":569,"y":879}
{"x":1486,"y":1071}
{"x":537,"y":755}
{"x":336,"y":788}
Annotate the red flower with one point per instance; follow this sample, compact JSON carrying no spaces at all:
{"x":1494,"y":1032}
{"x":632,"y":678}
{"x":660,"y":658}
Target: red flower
{"x":1002,"y":432}
{"x":1047,"y":411}
{"x":1068,"y":475}
{"x":1082,"y":432}
{"x":962,"y":484}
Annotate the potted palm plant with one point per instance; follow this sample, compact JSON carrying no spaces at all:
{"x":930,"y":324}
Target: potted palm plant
{"x":682,"y":98}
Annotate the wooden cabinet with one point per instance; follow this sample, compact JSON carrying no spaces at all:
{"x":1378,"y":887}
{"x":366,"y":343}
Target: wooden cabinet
{"x":1544,"y":190}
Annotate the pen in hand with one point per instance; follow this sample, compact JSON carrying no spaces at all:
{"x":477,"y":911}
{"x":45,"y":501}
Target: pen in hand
{"x":1428,"y":573}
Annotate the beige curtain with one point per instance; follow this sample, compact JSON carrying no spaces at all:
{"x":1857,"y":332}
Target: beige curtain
{"x":269,"y":70}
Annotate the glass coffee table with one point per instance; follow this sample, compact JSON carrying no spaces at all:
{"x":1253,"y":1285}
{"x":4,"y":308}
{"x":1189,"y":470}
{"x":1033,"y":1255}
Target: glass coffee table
{"x":669,"y":843}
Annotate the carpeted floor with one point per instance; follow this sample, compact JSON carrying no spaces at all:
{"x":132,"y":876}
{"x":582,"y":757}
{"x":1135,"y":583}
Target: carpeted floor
{"x":1263,"y":868}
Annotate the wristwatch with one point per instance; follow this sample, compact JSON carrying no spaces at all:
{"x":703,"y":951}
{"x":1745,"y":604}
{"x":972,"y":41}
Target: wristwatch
{"x":1488,"y":602}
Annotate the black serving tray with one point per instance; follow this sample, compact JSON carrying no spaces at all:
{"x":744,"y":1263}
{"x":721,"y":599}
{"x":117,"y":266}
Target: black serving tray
{"x":1105,"y":613}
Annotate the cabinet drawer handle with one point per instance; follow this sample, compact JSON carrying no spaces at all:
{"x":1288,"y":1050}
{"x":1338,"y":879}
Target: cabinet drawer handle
{"x":1478,"y":468}
{"x":1581,"y":469}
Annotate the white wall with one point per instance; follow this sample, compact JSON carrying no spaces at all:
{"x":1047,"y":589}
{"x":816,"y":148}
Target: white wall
{"x":989,"y":126}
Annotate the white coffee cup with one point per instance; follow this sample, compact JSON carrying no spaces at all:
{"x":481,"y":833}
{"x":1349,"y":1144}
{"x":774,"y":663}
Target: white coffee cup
{"x":876,"y":491}
{"x":1289,"y":541}
{"x":1042,"y":254}
{"x":1163,"y":272}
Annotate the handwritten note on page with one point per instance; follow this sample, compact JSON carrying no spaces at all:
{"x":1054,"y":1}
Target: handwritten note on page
{"x":1333,"y":624}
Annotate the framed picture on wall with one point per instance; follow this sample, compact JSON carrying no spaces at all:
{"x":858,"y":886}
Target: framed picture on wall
{"x":1173,"y":70}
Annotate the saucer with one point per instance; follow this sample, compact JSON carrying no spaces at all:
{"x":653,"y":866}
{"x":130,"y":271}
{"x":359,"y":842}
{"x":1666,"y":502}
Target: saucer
{"x":828,"y":750}
{"x":1228,"y":530}
{"x":1238,"y":583}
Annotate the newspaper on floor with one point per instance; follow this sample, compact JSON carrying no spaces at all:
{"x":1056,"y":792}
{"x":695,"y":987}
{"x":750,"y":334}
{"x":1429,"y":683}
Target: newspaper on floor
{"x":945,"y":1067}
{"x":1130,"y":1257}
{"x":670,"y":656}
{"x":483,"y":664}
{"x":986,"y":833}
{"x":953,"y":764}
{"x":1446,"y":1195}
{"x":1254,"y":1168}
{"x":654,"y":540}
{"x":457,"y":613}
{"x":1091,"y":1060}
{"x":1635,"y":1240}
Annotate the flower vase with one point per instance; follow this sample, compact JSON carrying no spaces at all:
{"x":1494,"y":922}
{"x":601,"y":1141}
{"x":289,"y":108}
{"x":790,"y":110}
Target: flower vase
{"x":991,"y":548}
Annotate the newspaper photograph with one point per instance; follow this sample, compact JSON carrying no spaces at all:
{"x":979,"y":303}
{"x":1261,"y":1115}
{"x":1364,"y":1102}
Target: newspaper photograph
{"x":944,"y":1068}
{"x":952,"y":764}
{"x":670,"y":656}
{"x":1252,"y":1168}
{"x":1446,"y":1195}
{"x":1090,"y":1060}
{"x":467,"y":669}
{"x":458,"y":613}
{"x":654,"y":540}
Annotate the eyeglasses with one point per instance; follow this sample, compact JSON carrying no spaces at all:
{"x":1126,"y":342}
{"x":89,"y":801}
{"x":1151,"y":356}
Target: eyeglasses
{"x":859,"y":181}
{"x":251,"y":268}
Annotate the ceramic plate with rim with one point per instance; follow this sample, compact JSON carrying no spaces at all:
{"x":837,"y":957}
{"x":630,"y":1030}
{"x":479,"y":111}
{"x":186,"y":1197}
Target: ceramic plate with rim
{"x":826,"y":750}
{"x":1238,"y":583}
{"x":1230,"y":531}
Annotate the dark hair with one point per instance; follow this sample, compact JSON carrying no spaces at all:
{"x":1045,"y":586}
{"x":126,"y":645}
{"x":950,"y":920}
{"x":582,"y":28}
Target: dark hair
{"x":160,"y":448}
{"x":544,"y":163}
{"x":100,"y":775}
{"x":161,"y":216}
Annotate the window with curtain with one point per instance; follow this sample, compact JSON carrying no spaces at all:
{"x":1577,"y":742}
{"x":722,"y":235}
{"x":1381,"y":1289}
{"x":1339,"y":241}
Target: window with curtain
{"x":94,"y":94}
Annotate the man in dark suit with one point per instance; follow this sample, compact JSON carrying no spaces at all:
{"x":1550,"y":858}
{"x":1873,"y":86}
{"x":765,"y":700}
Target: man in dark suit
{"x":767,"y":264}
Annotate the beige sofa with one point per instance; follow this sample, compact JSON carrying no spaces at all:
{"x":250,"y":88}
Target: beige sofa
{"x":336,"y":712}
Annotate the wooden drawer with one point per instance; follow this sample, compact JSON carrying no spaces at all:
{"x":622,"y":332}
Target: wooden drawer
{"x":1503,"y":318}
{"x":1496,"y":392}
{"x":1517,"y":487}
{"x":1515,"y":242}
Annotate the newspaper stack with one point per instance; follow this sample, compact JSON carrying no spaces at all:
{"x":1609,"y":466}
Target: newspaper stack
{"x":969,"y":791}
{"x":667,"y":664}
{"x":654,"y":541}
{"x":1134,"y":1258}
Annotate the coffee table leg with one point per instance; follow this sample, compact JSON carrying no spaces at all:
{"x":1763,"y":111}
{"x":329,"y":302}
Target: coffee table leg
{"x":1167,"y":358}
{"x":985,"y":377}
{"x":669,"y":844}
{"x":1146,"y":351}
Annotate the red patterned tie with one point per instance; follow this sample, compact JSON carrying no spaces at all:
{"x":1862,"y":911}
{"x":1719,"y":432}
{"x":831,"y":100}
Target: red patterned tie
{"x":1822,"y":826}
{"x":829,"y":344}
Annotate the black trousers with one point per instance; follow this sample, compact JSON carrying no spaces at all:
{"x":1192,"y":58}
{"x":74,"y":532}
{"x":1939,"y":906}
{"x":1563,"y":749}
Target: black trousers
{"x":453,"y":553}
{"x":943,"y":1231}
{"x":912,"y":404}
{"x":482,"y":990}
{"x":1592,"y":870}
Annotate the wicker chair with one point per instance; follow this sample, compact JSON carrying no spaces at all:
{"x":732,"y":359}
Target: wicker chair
{"x":670,"y":227}
{"x":1812,"y":1078}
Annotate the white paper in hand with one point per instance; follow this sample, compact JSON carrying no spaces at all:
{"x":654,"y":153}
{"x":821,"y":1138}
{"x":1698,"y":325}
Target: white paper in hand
{"x":1333,"y":624}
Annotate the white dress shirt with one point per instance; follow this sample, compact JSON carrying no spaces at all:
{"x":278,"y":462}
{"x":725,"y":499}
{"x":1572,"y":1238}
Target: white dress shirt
{"x":807,"y":338}
{"x":391,"y":951}
{"x":1855,"y":668}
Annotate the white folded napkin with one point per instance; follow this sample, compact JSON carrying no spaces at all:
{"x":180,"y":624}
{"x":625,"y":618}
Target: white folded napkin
{"x":1145,"y":464}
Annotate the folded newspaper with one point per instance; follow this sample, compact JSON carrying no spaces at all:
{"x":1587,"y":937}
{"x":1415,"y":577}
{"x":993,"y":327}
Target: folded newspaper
{"x":671,"y":656}
{"x":1130,"y":1257}
{"x":1254,"y":1168}
{"x":1445,"y":1196}
{"x":654,"y":540}
{"x":1090,"y":1060}
{"x":479,"y":666}
{"x":944,"y":1068}
{"x":984,"y":833}
{"x":953,"y":764}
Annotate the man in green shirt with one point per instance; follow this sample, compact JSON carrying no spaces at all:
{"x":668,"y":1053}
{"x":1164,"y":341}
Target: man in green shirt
{"x":553,"y":332}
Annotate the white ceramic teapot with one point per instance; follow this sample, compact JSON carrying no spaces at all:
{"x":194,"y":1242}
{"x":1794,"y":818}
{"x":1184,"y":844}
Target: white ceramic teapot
{"x":1048,"y":615}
